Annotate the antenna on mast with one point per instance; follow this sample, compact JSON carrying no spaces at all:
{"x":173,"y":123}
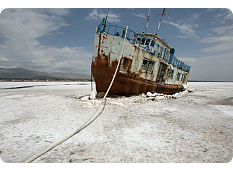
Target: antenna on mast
{"x":160,"y":20}
{"x":148,"y":17}
{"x":105,"y":20}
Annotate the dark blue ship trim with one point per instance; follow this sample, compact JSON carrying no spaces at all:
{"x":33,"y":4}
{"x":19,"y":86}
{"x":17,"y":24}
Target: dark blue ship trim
{"x":119,"y":31}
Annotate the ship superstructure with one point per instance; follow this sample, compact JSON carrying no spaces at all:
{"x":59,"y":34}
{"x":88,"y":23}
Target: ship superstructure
{"x":147,"y":62}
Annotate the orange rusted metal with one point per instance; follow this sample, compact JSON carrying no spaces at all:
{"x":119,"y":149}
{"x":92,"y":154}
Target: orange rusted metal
{"x":139,"y":71}
{"x":125,"y":83}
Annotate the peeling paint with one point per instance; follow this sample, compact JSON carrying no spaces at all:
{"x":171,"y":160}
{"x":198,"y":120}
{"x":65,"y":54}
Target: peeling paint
{"x":131,"y":78}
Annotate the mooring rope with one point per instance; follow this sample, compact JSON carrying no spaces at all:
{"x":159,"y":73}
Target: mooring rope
{"x":83,"y":126}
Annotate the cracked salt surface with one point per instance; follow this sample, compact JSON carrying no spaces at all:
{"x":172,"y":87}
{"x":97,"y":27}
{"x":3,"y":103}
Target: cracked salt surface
{"x":186,"y":127}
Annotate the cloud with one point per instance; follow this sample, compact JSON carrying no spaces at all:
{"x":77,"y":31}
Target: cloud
{"x":22,"y":27}
{"x":187,"y":25}
{"x":194,"y":17}
{"x":223,"y":29}
{"x":216,"y":63}
{"x":20,"y":30}
{"x":67,"y":59}
{"x":187,"y":29}
{"x":218,"y":39}
{"x":58,"y":32}
{"x":221,"y":42}
{"x":216,"y":67}
{"x":98,"y":14}
{"x":229,"y":15}
{"x":220,"y":15}
{"x":2,"y":58}
{"x":57,"y":11}
{"x":218,"y":48}
{"x":140,"y":15}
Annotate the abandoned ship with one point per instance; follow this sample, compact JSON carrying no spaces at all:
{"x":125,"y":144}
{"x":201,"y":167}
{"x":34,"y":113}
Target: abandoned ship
{"x":147,"y":63}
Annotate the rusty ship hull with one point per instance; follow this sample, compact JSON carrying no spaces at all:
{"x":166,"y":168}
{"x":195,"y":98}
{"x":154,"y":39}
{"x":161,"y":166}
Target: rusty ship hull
{"x":141,"y":69}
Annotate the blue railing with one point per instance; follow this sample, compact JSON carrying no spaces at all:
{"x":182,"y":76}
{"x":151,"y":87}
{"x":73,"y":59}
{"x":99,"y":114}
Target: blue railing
{"x":143,"y":42}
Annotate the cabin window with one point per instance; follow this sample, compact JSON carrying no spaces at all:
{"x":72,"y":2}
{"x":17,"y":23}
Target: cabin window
{"x":183,"y":79}
{"x":159,"y":51}
{"x":148,"y":65}
{"x":166,"y":55}
{"x":178,"y":76}
{"x":162,"y":53}
{"x":139,"y":40}
{"x":152,"y":43}
{"x":161,"y":72}
{"x":147,"y":42}
{"x":125,"y":64}
{"x":142,"y":41}
{"x":145,"y":64}
{"x":151,"y":66}
{"x":170,"y":73}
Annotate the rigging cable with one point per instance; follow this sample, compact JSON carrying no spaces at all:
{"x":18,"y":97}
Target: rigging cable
{"x":160,"y":20}
{"x":105,"y":19}
{"x":147,"y":20}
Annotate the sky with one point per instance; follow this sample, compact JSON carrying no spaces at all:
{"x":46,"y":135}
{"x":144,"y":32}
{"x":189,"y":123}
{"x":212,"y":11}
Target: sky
{"x":62,"y":40}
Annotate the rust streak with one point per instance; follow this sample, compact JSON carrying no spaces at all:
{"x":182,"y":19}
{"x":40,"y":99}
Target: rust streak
{"x":128,"y":80}
{"x":125,"y":83}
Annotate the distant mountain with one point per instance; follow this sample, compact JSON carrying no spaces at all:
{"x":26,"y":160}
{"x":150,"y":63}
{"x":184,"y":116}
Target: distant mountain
{"x":29,"y":74}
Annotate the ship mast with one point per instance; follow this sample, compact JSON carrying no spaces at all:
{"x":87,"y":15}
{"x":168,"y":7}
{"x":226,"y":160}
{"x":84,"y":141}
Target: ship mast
{"x":105,"y":19}
{"x":148,"y":17}
{"x":160,"y":20}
